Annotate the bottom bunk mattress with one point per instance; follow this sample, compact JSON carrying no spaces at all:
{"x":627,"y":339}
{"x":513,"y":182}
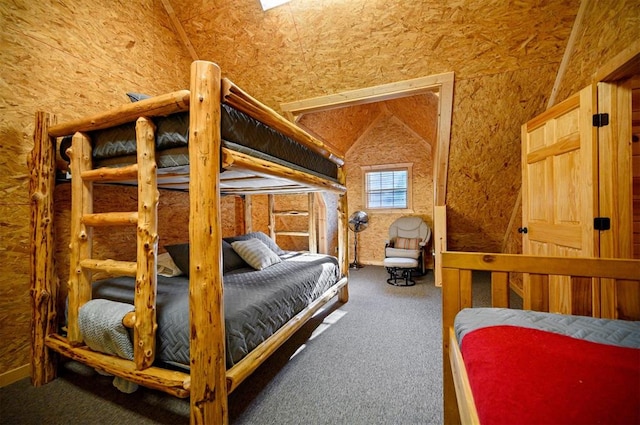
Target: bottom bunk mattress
{"x":532,"y":367}
{"x":256,"y":303}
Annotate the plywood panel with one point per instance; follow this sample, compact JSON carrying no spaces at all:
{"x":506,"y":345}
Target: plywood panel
{"x":387,"y":141}
{"x":484,"y":162}
{"x":69,"y":58}
{"x":341,"y":127}
{"x":359,"y":43}
{"x":412,"y":111}
{"x":605,"y":32}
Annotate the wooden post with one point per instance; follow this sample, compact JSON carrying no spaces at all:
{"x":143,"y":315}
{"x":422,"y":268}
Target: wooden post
{"x":439,"y":237}
{"x":272,"y":216}
{"x":500,"y":289}
{"x":248,"y":219}
{"x":451,"y":294}
{"x":81,"y":235}
{"x":208,"y":368}
{"x":321,"y":209}
{"x":313,"y":231}
{"x":343,"y":232}
{"x":144,"y":334}
{"x":44,"y":283}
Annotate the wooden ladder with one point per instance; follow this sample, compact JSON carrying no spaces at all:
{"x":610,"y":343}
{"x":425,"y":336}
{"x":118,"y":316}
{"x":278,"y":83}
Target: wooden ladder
{"x":82,"y":265}
{"x":310,"y":233}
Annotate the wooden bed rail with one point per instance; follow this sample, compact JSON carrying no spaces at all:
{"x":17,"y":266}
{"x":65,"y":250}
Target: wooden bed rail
{"x":241,"y":100}
{"x":165,"y":104}
{"x":457,"y":268}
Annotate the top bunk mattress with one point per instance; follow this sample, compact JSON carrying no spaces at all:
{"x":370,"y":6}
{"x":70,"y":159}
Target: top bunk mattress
{"x":240,"y":132}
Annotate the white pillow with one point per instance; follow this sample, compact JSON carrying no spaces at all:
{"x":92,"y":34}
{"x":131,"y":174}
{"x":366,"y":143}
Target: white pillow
{"x":166,"y":266}
{"x":255,"y":253}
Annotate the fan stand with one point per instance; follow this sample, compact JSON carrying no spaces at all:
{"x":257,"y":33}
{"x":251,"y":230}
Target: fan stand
{"x":355,"y":264}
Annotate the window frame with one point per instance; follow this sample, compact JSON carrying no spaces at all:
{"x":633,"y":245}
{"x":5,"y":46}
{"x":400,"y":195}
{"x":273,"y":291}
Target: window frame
{"x":405,"y":166}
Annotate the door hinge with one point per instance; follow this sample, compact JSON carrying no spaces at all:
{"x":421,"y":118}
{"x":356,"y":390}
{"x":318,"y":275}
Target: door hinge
{"x":601,"y":223}
{"x":600,"y":120}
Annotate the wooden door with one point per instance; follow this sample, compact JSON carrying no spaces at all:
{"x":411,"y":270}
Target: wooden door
{"x":560,"y":198}
{"x":619,"y":299}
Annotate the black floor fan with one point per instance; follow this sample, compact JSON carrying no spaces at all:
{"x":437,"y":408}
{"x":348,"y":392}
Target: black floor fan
{"x":358,"y":221}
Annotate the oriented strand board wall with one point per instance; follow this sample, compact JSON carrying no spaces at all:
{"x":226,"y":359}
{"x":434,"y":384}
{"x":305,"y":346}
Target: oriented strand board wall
{"x":504,"y":71}
{"x":603,"y":33}
{"x":387,"y":141}
{"x":69,"y":58}
{"x":484,"y":162}
{"x":607,"y":28}
{"x":317,"y":47}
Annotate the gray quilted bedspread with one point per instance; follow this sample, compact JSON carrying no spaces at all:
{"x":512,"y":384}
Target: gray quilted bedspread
{"x":613,"y":332}
{"x":256,"y":303}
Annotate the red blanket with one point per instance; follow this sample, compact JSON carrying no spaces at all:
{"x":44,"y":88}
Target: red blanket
{"x":527,"y":376}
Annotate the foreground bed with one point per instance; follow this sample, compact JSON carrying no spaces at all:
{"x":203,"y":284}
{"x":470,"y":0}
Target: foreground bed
{"x":513,"y":366}
{"x":214,"y":168}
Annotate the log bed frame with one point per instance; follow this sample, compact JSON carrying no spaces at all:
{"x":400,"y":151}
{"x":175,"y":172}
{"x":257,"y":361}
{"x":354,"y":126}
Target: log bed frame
{"x":457,"y":268}
{"x":208,"y":383}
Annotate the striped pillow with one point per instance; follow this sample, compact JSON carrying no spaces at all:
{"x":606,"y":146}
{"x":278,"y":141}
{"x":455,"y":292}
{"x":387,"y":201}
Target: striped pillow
{"x":407,"y":243}
{"x":255,"y":253}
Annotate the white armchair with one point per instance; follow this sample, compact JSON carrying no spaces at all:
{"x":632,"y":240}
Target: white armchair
{"x":409,"y":239}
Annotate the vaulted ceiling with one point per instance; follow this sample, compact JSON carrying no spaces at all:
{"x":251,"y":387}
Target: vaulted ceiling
{"x":505,"y":55}
{"x":342,"y":127}
{"x":317,"y":47}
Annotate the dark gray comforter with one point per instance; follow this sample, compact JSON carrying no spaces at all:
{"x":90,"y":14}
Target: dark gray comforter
{"x":256,"y":303}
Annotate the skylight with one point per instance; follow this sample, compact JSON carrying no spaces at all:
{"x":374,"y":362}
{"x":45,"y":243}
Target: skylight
{"x":270,"y":4}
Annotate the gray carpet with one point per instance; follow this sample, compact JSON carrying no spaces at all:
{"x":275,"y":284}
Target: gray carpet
{"x":375,"y":360}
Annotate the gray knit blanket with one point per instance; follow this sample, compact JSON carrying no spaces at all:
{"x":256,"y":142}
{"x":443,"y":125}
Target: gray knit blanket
{"x":102,"y":329}
{"x":101,"y":326}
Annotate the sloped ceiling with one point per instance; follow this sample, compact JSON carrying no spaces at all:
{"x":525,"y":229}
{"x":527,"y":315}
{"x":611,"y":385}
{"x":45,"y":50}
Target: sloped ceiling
{"x":505,"y":55}
{"x":342,"y":127}
{"x":310,"y":48}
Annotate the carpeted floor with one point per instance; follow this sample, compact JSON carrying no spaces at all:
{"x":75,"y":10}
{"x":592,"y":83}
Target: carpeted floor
{"x":375,"y":360}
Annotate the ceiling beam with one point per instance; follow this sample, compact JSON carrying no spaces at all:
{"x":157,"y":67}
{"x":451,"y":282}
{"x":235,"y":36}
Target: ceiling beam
{"x":177,"y":26}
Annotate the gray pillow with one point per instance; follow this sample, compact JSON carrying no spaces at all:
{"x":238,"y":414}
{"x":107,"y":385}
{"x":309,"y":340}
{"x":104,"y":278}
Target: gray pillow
{"x":230,"y":259}
{"x":255,"y":253}
{"x":180,"y":255}
{"x":262,"y":237}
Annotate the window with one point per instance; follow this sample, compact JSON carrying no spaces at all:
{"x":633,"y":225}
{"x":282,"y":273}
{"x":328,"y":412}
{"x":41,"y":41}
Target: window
{"x":388,"y":186}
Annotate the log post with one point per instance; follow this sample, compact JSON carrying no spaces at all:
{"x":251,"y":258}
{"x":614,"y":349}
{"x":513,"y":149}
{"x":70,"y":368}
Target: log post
{"x":343,"y":232}
{"x":313,"y":227}
{"x":451,"y":302}
{"x":272,"y":217}
{"x":81,"y":235}
{"x":44,"y":283}
{"x":147,"y":246}
{"x":248,"y":220}
{"x":208,"y":367}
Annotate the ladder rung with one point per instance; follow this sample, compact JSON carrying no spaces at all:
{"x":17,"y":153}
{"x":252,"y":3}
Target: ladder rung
{"x":122,"y":268}
{"x":105,"y":174}
{"x":110,"y":219}
{"x":292,"y":233}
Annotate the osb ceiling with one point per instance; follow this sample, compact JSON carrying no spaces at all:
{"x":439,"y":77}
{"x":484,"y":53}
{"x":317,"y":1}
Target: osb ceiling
{"x":505,"y":55}
{"x":342,"y":127}
{"x":309,"y":48}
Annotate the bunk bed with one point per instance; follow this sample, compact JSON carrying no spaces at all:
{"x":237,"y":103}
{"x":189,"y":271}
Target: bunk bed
{"x":504,"y":365}
{"x":212,"y":159}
